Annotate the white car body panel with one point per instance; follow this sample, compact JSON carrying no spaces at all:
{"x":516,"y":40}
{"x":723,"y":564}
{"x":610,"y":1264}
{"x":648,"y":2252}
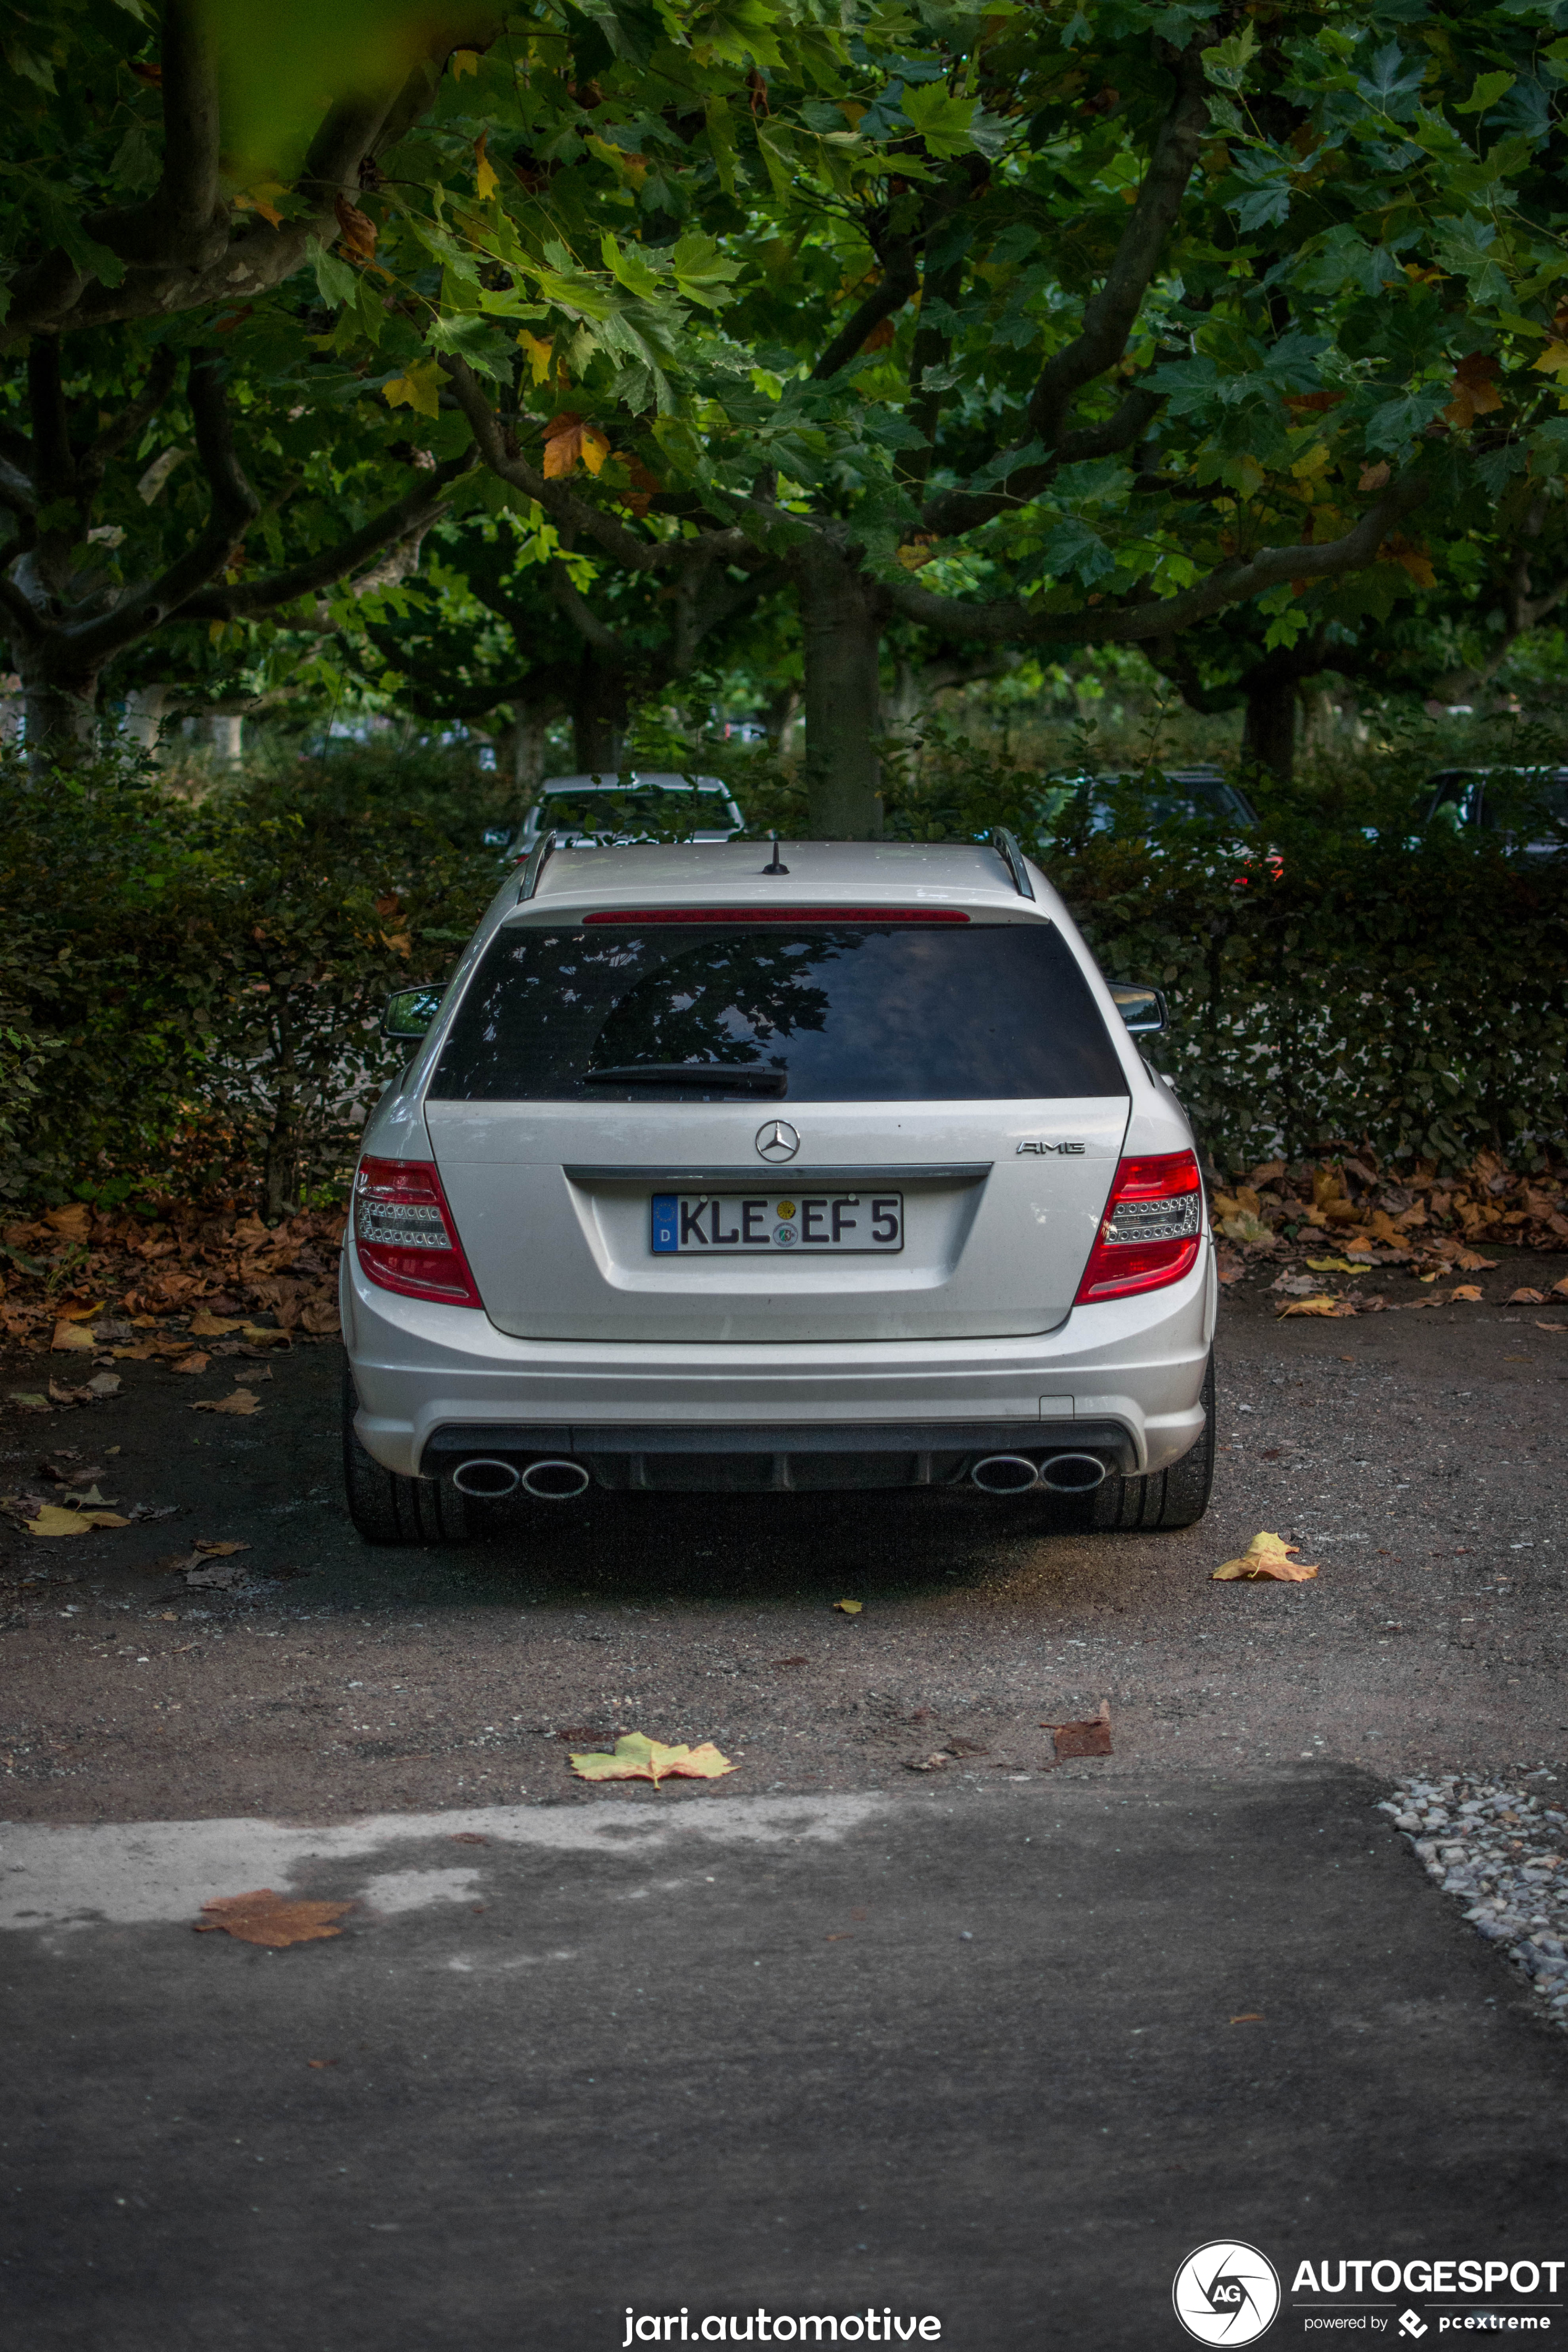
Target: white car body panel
{"x":972,"y":1323}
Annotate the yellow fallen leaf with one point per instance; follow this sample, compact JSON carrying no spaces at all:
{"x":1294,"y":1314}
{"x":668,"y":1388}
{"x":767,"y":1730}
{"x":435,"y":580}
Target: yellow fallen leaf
{"x":53,"y":1520}
{"x":263,"y":1917}
{"x":260,"y":1335}
{"x":214,"y":1327}
{"x":1323,"y":1306}
{"x":197,"y":1363}
{"x":1526,"y":1298}
{"x":1317,"y":1265}
{"x":242,"y":1401}
{"x":850,"y":1608}
{"x":1266,"y":1556}
{"x":80,"y":1314}
{"x":637,"y":1758}
{"x":215,"y":1550}
{"x":1467,"y":1290}
{"x":73,"y":1337}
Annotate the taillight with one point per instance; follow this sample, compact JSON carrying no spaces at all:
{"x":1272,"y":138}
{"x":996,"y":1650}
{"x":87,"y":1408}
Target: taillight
{"x":405,"y":1236}
{"x":1151,"y":1232}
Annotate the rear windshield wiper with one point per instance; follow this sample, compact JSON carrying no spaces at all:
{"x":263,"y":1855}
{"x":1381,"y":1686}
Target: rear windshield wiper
{"x":691,"y":1073}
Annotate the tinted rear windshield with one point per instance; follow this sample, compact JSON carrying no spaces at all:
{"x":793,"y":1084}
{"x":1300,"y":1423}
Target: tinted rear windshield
{"x":840,"y":1012}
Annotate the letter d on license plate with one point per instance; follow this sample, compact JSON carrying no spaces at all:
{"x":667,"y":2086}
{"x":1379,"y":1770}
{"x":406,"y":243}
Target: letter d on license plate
{"x":713,"y":1223}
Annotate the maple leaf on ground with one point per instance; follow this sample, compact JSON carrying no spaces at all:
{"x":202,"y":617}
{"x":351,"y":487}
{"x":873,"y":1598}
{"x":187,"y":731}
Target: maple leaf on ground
{"x":1323,"y":1306}
{"x":54,"y":1519}
{"x":276,"y":1920}
{"x":1266,"y":1558}
{"x":1525,"y":1298}
{"x":242,"y":1401}
{"x":73,"y":1336}
{"x":637,"y":1758}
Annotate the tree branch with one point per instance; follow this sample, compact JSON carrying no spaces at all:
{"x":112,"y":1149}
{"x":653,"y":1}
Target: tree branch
{"x":1233,"y":583}
{"x":124,"y":428}
{"x":187,"y":202}
{"x":233,"y":505}
{"x":1110,"y":315}
{"x":411,"y":514}
{"x":497,"y":445}
{"x":901,"y":278}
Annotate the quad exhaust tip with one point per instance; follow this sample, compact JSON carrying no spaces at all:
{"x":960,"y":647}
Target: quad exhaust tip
{"x":485,"y":1477}
{"x":555,"y":1481}
{"x":1061,"y":1474}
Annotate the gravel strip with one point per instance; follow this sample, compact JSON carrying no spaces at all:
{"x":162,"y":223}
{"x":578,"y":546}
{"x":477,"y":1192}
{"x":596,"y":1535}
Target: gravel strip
{"x":1504,"y":1850}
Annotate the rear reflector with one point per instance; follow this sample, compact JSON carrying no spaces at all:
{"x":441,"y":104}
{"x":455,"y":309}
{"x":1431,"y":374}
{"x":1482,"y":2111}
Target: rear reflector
{"x":404,"y":1233}
{"x":1151,"y":1230}
{"x":641,"y":915}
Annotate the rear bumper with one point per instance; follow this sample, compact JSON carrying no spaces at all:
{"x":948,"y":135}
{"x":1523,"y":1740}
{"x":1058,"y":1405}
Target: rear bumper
{"x":777,"y":1457}
{"x":1129,"y":1370}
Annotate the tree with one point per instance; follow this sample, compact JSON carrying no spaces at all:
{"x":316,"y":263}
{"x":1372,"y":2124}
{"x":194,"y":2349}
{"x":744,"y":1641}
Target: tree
{"x":1090,"y":329}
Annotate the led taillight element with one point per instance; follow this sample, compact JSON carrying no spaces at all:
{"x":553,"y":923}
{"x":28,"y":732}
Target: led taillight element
{"x":1152,"y":1229}
{"x":405,"y":1236}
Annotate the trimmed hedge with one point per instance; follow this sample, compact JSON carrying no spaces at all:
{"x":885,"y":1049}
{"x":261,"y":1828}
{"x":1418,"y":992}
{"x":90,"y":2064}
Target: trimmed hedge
{"x":189,"y":993}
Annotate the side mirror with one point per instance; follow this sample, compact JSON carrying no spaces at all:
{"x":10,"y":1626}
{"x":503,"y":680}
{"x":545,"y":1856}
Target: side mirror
{"x":410,"y":1012}
{"x":1142,"y":1009}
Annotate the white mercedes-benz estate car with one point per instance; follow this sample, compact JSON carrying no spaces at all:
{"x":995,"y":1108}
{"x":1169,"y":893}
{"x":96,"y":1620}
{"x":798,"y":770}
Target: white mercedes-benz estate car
{"x":830,"y":1168}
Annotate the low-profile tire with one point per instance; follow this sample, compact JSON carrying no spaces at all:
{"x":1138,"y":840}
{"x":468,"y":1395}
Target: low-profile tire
{"x":387,"y":1509}
{"x":1176,"y":1497}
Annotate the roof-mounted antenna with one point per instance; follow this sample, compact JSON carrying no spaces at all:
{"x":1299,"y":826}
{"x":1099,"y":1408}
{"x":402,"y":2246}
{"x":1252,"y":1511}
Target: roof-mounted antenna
{"x":778,"y":866}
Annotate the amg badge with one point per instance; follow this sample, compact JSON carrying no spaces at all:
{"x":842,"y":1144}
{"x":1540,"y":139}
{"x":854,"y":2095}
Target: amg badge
{"x":1067,"y":1150}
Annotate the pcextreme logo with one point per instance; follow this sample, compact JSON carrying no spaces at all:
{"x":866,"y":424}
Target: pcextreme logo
{"x":1227,"y":2293}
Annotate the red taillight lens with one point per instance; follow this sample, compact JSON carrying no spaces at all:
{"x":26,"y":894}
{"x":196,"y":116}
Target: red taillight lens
{"x":405,"y":1236}
{"x":1152,"y":1229}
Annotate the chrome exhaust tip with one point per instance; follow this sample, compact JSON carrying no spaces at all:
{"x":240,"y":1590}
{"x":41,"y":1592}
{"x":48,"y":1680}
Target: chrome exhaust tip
{"x":1073,"y":1473}
{"x":486,"y":1479}
{"x":1004,"y":1474}
{"x":555,"y":1481}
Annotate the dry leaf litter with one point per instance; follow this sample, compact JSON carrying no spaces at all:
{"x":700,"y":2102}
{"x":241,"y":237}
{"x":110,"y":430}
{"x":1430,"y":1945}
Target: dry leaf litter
{"x":80,"y":1282}
{"x":1503,"y":1851}
{"x":1330,"y":1226}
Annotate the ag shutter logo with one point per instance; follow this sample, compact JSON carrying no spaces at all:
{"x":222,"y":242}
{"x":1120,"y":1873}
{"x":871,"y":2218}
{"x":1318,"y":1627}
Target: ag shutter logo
{"x":1227,"y":2293}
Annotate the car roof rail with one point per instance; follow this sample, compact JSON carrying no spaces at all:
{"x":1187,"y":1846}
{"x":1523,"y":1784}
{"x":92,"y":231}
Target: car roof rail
{"x":1012,"y":858}
{"x":537,"y":858}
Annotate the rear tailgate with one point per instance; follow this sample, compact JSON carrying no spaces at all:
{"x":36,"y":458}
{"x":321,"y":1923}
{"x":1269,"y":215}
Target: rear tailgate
{"x":952,"y":1082}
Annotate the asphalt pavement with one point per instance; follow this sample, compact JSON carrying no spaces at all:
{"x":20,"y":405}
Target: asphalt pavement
{"x":999,"y":2056}
{"x":994,"y":2042}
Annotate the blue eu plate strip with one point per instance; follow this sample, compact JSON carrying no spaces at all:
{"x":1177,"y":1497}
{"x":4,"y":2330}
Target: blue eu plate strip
{"x":665,"y":1222}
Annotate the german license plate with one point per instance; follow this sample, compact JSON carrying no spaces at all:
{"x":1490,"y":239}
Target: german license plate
{"x":697,"y":1224}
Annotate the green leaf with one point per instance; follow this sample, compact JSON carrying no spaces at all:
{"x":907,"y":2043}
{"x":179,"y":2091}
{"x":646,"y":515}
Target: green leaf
{"x":1489,"y":89}
{"x":335,"y":281}
{"x":943,"y":120}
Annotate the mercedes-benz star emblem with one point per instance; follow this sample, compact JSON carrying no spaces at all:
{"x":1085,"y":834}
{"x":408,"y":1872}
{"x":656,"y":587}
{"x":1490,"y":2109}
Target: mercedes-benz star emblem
{"x":777,"y":1140}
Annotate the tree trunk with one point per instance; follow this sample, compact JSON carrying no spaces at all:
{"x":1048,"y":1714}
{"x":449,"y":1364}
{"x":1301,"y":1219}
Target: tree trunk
{"x":144,"y":715}
{"x":1269,"y":736}
{"x":599,"y":714}
{"x":841,"y":620}
{"x":528,"y":745}
{"x":225,"y":730}
{"x":783,"y":710}
{"x":60,"y":716}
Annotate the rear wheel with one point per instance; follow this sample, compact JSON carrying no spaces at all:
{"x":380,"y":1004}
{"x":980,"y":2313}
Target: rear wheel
{"x":1176,"y":1497}
{"x":387,"y":1509}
